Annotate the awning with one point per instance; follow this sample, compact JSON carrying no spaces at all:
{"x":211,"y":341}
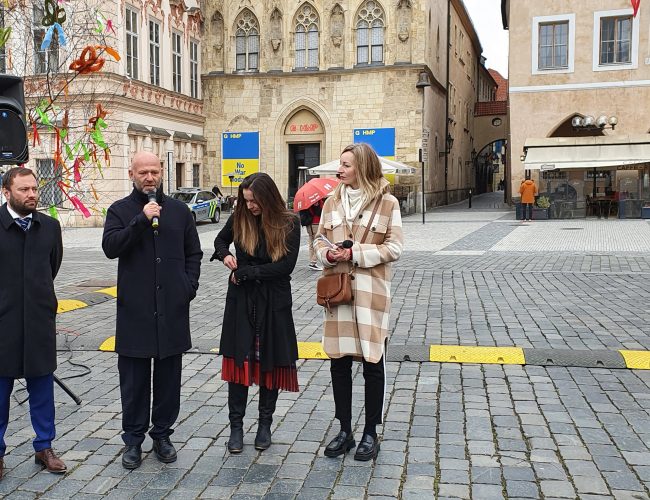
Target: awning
{"x":586,"y":152}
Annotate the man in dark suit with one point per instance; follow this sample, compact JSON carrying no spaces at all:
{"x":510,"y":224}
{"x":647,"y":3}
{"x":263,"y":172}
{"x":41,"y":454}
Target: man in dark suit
{"x":30,"y":256}
{"x":157,"y":277}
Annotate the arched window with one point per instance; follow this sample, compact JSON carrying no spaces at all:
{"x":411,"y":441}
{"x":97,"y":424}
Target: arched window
{"x":370,"y":33}
{"x":306,"y":37}
{"x":247,"y":41}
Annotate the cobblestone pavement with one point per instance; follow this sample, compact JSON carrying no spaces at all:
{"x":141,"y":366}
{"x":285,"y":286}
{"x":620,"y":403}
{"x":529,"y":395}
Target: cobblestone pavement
{"x":467,"y":277}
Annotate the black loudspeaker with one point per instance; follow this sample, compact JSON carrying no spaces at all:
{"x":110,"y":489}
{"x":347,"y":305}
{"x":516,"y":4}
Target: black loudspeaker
{"x":14,"y":145}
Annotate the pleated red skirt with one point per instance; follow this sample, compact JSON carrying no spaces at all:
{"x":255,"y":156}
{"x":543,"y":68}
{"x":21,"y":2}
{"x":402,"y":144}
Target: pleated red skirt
{"x":282,"y":377}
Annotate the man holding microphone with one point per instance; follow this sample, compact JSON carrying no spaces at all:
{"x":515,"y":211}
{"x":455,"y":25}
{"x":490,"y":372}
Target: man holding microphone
{"x":155,"y":239}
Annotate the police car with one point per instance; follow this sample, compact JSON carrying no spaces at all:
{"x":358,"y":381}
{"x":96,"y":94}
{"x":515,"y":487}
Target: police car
{"x":203,"y":203}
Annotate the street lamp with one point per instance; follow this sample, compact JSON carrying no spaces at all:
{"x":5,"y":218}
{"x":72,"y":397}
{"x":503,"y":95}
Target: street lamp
{"x":588,"y":122}
{"x":449,"y":143}
{"x":423,"y":83}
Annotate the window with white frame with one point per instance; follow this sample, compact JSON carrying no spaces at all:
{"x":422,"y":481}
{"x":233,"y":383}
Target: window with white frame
{"x":177,"y":61}
{"x":131,"y":29}
{"x":553,"y":44}
{"x":45,"y":61}
{"x":194,"y":69}
{"x":247,"y":42}
{"x":370,"y":33}
{"x":154,"y":52}
{"x":306,"y":37}
{"x":616,"y":40}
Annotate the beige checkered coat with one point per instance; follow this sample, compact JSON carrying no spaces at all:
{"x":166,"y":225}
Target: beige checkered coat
{"x":361,"y":328}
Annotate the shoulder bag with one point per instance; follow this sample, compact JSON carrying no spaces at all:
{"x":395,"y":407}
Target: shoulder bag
{"x":336,"y":289}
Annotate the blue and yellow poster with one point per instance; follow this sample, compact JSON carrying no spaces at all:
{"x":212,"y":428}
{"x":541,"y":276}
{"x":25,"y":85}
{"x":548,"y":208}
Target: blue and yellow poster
{"x":382,"y":140}
{"x":240,"y":156}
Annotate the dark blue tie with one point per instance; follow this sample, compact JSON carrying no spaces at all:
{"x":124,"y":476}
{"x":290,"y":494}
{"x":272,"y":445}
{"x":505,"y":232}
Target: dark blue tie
{"x":23,"y":223}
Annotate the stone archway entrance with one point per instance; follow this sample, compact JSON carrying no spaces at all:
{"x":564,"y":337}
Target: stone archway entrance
{"x":304,"y":138}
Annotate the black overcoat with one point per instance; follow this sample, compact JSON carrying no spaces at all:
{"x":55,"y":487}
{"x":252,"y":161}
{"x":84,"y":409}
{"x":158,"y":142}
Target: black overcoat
{"x":260,"y":303}
{"x":157,"y":275}
{"x":29,"y":262}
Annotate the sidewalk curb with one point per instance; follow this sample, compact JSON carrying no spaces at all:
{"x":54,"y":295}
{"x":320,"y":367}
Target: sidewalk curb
{"x":583,"y":358}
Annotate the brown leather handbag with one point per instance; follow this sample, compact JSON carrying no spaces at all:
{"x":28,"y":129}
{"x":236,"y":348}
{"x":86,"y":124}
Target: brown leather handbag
{"x":336,"y":289}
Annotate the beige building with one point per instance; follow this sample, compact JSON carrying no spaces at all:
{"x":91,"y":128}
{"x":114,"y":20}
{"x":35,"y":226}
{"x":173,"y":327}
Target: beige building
{"x":152,"y":96}
{"x":290,"y":84}
{"x":579,"y":76}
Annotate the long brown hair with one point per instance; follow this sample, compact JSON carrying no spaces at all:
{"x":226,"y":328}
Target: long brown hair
{"x":275,"y":221}
{"x":368,"y":170}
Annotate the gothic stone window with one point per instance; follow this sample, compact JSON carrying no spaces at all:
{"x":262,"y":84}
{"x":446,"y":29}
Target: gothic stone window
{"x":247,"y":42}
{"x":306,"y":38}
{"x":370,"y":33}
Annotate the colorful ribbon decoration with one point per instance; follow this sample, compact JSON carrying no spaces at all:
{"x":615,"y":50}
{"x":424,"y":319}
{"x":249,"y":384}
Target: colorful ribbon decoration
{"x":47,"y":39}
{"x":104,"y":25}
{"x":53,"y":13}
{"x":90,"y":61}
{"x":4,"y":36}
{"x":635,"y":7}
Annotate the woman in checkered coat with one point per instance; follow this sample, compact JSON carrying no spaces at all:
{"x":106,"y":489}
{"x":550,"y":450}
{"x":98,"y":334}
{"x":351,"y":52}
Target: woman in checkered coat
{"x":360,"y":329}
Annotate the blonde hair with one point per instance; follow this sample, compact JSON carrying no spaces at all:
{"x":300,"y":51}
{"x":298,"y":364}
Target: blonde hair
{"x":368,"y":170}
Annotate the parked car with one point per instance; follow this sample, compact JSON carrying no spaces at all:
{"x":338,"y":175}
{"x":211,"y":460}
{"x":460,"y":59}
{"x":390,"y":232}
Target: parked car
{"x":203,"y":203}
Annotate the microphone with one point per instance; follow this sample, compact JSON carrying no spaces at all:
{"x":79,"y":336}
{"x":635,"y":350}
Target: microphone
{"x":338,"y":176}
{"x":346,"y":244}
{"x":152,"y":197}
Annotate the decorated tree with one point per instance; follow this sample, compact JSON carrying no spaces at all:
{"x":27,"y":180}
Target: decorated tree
{"x":63,"y":50}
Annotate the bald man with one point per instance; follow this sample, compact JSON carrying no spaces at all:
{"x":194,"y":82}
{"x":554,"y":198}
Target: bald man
{"x":157,"y":277}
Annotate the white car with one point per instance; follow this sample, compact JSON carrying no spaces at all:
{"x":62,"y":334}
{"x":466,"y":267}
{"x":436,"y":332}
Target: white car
{"x":204,"y":204}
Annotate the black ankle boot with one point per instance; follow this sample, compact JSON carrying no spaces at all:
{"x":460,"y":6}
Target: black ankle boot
{"x":236,"y":441}
{"x":263,"y":437}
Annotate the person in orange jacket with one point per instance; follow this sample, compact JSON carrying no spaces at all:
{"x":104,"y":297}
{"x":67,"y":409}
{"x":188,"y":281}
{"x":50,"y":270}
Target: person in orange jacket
{"x":528,"y":191}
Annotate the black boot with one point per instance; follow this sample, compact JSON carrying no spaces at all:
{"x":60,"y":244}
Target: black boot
{"x":268,"y":398}
{"x":237,"y":398}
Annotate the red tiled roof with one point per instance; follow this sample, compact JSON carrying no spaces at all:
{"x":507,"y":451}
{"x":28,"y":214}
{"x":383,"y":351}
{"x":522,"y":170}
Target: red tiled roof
{"x":502,"y":85}
{"x":491,"y":108}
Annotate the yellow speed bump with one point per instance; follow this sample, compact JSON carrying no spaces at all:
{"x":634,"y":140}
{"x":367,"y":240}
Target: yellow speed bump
{"x":311,"y":350}
{"x":108,"y":345}
{"x":470,"y":354}
{"x":67,"y":305}
{"x":112,"y":291}
{"x":638,"y":360}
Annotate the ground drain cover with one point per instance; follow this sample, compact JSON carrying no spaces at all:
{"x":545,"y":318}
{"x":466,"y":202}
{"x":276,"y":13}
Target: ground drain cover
{"x":572,"y":228}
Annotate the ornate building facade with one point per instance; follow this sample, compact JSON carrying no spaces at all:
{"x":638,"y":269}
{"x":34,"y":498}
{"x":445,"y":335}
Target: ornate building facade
{"x":306,"y":78}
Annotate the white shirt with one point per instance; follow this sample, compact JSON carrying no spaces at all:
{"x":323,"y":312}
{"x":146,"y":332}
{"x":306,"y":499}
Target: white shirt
{"x":15,"y":216}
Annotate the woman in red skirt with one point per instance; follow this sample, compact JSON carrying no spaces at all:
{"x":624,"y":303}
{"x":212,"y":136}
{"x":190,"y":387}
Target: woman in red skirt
{"x":258,"y":338}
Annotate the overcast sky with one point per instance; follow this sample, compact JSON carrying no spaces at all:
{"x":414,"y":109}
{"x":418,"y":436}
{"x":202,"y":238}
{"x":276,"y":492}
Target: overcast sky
{"x":486,"y":17}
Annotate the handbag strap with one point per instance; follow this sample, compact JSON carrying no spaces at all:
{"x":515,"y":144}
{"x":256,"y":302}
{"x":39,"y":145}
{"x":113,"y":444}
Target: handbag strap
{"x":374,"y":211}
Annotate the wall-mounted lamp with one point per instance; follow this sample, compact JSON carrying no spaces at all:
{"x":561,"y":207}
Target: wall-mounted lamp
{"x":449,"y":143}
{"x":588,"y":122}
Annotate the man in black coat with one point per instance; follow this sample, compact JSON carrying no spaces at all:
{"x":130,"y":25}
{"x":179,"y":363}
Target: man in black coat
{"x":157,"y":277}
{"x":30,"y":257}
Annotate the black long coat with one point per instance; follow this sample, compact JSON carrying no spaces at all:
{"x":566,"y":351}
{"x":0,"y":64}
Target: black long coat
{"x":260,"y":303}
{"x":157,"y":275}
{"x":29,"y":262}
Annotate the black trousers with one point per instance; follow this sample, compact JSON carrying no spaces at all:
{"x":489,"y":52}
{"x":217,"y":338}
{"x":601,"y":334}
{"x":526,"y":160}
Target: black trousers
{"x":135,"y":388}
{"x":527,"y":207}
{"x":375,"y":386}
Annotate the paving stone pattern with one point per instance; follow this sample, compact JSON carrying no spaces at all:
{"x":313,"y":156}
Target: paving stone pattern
{"x":450,"y":430}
